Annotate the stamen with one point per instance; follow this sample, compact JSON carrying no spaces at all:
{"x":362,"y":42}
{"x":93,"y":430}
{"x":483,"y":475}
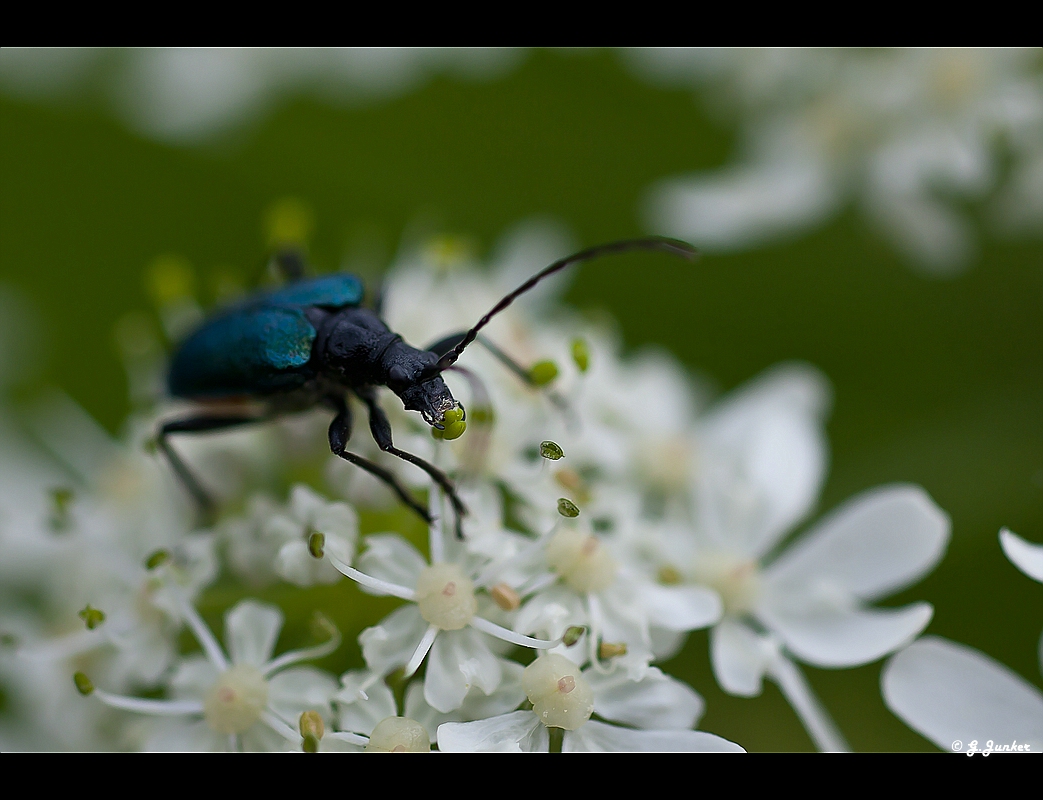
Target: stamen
{"x":491,"y":628}
{"x":317,"y":544}
{"x":202,"y":633}
{"x":92,"y":617}
{"x":376,"y":584}
{"x":307,"y":653}
{"x":551,"y":451}
{"x":421,"y":651}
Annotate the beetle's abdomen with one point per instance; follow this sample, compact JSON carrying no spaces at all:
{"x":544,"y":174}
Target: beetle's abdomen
{"x":250,"y":351}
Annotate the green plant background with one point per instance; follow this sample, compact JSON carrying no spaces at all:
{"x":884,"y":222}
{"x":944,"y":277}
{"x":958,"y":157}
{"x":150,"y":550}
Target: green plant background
{"x":937,"y":382}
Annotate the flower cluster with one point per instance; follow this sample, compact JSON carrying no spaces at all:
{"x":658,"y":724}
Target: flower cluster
{"x":610,"y":512}
{"x":897,"y":133}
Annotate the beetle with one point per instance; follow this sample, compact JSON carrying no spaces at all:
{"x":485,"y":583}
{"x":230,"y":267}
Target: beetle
{"x":311,"y":343}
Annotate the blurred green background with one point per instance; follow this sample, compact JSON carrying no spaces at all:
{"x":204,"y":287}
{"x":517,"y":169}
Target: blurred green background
{"x":937,"y":382}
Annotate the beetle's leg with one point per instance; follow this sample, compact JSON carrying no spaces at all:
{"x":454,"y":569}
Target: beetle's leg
{"x":443,"y":346}
{"x":380,"y":427}
{"x":340,"y":433}
{"x":207,"y":506}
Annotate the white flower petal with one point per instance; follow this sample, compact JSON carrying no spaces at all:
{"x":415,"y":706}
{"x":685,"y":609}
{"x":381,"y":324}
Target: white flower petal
{"x":305,"y":503}
{"x":681,"y":608}
{"x":1025,"y":556}
{"x":517,"y":732}
{"x":193,"y":678}
{"x":459,"y":660}
{"x":391,"y":558}
{"x":251,"y":631}
{"x":181,"y":735}
{"x":390,"y":644}
{"x":362,"y":715}
{"x":950,"y":692}
{"x":295,"y":564}
{"x":847,"y":637}
{"x":763,"y":461}
{"x":655,"y":701}
{"x":873,"y":545}
{"x":596,"y":737}
{"x":300,"y":689}
{"x":739,"y":658}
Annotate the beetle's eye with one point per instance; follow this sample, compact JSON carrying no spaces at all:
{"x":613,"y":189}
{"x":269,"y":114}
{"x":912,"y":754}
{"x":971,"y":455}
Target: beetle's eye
{"x":399,"y":375}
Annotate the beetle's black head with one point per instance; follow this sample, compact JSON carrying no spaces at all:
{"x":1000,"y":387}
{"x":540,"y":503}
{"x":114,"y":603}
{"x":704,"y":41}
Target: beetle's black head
{"x":409,"y":375}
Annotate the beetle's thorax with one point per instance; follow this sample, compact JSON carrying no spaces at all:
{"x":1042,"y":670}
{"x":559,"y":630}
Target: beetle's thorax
{"x":357,"y":348}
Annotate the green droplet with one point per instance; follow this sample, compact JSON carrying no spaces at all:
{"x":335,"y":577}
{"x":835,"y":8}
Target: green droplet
{"x":581,"y":354}
{"x":543,"y":372}
{"x":157,"y":559}
{"x":567,"y":508}
{"x":83,"y":684}
{"x":437,"y":434}
{"x":551,"y":451}
{"x":92,"y":617}
{"x":452,"y":415}
{"x":572,"y":635}
{"x":454,"y":430}
{"x":317,"y":544}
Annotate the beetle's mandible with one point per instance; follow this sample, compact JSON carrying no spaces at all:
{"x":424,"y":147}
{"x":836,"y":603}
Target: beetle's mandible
{"x":312,"y":343}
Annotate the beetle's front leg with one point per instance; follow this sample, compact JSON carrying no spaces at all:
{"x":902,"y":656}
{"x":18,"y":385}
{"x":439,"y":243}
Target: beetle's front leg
{"x":340,"y":433}
{"x":380,"y":427}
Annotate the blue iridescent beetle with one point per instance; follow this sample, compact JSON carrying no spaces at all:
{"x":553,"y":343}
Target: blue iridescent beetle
{"x":312,"y":343}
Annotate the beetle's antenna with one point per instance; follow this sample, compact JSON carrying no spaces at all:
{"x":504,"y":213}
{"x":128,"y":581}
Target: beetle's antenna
{"x":674,"y":246}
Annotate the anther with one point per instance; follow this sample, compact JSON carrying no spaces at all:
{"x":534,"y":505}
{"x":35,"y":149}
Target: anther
{"x":567,"y":508}
{"x":312,"y":729}
{"x":92,"y":617}
{"x":581,"y":354}
{"x":608,"y":650}
{"x":543,"y":372}
{"x":505,"y":597}
{"x":83,"y":683}
{"x":157,"y":559}
{"x":317,"y":544}
{"x":551,"y":451}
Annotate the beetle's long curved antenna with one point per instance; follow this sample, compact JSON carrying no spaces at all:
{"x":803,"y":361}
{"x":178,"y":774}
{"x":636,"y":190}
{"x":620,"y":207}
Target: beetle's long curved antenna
{"x":674,"y":246}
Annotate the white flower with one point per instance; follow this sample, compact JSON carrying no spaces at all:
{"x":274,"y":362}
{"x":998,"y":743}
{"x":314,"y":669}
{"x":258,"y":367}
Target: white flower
{"x":246,"y":701}
{"x":884,"y":129}
{"x":1025,"y":556}
{"x":273,"y":541}
{"x":441,"y":618}
{"x":660,"y":709}
{"x":955,"y":695}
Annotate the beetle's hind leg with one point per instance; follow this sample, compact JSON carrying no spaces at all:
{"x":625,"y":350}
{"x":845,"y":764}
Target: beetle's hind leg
{"x":199,"y":424}
{"x":380,"y":427}
{"x":340,"y":433}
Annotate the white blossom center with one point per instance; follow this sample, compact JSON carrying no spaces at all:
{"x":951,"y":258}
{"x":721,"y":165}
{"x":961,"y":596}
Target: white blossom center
{"x":237,"y":700}
{"x":736,"y":580}
{"x":399,"y":735}
{"x":581,"y":560}
{"x":445,"y":596}
{"x":560,"y":695}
